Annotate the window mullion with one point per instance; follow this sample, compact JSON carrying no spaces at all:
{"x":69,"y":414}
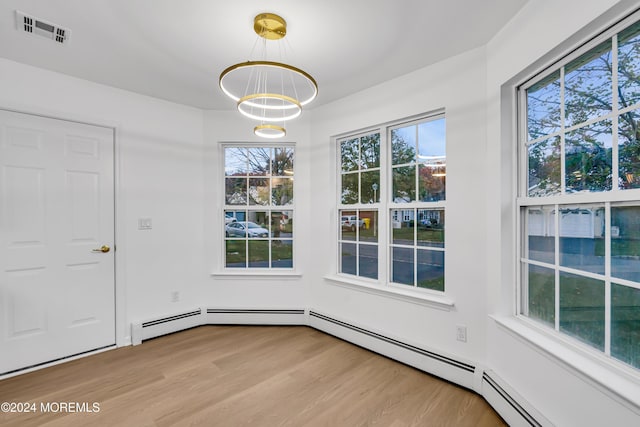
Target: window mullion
{"x":615,"y":167}
{"x":556,"y":231}
{"x":607,"y":283}
{"x":563,"y":166}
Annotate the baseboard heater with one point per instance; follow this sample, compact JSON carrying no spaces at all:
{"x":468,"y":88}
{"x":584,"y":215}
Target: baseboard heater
{"x":141,"y":331}
{"x":441,"y":365}
{"x":510,"y":406}
{"x":234,"y":316}
{"x":144,"y":330}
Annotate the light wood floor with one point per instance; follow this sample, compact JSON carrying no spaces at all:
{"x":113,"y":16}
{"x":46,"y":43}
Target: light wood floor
{"x":244,"y":375}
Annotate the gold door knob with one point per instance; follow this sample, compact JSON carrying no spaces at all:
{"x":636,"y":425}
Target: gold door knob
{"x":104,"y":249}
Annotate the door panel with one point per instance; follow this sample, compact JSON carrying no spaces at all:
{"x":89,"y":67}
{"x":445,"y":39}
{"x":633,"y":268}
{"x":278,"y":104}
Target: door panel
{"x":56,"y":209}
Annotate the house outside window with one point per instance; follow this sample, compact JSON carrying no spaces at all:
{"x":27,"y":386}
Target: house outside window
{"x":259,"y":206}
{"x":579,"y":195}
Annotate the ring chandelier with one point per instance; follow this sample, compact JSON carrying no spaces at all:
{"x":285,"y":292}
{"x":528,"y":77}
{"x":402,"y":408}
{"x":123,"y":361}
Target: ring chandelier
{"x":268,"y":91}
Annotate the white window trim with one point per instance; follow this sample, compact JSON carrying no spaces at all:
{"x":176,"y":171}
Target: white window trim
{"x":420,"y":296}
{"x":615,"y":379}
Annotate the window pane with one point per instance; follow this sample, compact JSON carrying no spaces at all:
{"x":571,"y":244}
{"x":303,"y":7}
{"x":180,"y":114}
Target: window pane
{"x":258,"y":191}
{"x":542,"y":294}
{"x":625,"y":242}
{"x":582,"y":308}
{"x":430,"y":228}
{"x":588,"y":85}
{"x":543,"y":107}
{"x":282,"y":224}
{"x":582,"y":238}
{"x":259,"y":161}
{"x":282,"y":191}
{"x":236,"y":191}
{"x":368,"y":261}
{"x":236,"y":253}
{"x":282,"y":253}
{"x":431,"y":269}
{"x":629,"y":66}
{"x":257,"y":224}
{"x":348,"y":258}
{"x":370,"y":186}
{"x":282,"y":162}
{"x":403,"y":145}
{"x":350,"y":189}
{"x":402,"y":266}
{"x":432,"y":140}
{"x":433,"y":160}
{"x":625,"y":324}
{"x":432,"y":182}
{"x":370,"y":151}
{"x":259,"y":253}
{"x":369,"y":228}
{"x":541,"y":234}
{"x":402,"y":226}
{"x":235,"y":161}
{"x":588,"y":158}
{"x":349,"y":155}
{"x":404,"y":184}
{"x":349,"y":223}
{"x":544,"y":167}
{"x":629,"y":149}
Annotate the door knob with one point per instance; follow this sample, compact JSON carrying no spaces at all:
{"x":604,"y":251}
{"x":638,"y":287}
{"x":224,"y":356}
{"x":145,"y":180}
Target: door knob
{"x":104,"y":249}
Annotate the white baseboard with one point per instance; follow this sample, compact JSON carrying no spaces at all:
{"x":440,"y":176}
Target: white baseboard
{"x":243,"y":316}
{"x":436,"y":363}
{"x":152,"y":328}
{"x":512,"y":407}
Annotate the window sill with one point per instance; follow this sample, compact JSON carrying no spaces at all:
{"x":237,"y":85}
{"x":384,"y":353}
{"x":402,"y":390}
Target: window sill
{"x":613,"y":378}
{"x":420,"y":298}
{"x":256,"y":274}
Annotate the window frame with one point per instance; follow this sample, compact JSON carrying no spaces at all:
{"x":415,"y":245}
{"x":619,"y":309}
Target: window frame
{"x":608,"y":199}
{"x":248,"y":270}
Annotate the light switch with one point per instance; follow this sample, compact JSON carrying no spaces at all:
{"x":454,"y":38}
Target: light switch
{"x":144,"y":223}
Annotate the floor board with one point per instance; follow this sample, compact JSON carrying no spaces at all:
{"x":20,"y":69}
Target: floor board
{"x":239,"y":376}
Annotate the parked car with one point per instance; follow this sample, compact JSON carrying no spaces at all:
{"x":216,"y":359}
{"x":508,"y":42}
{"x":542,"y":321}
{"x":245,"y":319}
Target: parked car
{"x":229,"y":218}
{"x":245,"y":228}
{"x":351,"y":222}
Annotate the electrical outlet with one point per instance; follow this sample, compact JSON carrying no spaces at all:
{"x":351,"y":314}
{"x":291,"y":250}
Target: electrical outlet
{"x":461,"y":333}
{"x":175,"y":296}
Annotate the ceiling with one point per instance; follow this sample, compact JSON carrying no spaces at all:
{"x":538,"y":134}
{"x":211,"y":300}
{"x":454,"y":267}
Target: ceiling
{"x":176,"y":49}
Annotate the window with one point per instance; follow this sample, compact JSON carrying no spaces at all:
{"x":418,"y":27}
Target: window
{"x":579,"y":197}
{"x":258,"y":207}
{"x":391,"y":204}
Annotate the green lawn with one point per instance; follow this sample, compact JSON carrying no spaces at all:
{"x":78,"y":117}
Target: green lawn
{"x":582,"y":311}
{"x":619,"y":247}
{"x":258,"y":251}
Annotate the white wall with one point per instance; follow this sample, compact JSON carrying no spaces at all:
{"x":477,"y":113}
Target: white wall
{"x":169,"y":170}
{"x":458,"y":86}
{"x":543,"y":30}
{"x":260,"y":291}
{"x":160,"y":176}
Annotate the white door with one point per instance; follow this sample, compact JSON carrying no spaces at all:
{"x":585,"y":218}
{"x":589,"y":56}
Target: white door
{"x":56,"y":213}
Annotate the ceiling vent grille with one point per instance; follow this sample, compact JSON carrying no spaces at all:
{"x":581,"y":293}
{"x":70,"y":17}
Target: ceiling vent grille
{"x":30,"y":24}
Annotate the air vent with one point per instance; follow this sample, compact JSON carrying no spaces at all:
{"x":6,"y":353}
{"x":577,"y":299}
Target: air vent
{"x":30,"y":24}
